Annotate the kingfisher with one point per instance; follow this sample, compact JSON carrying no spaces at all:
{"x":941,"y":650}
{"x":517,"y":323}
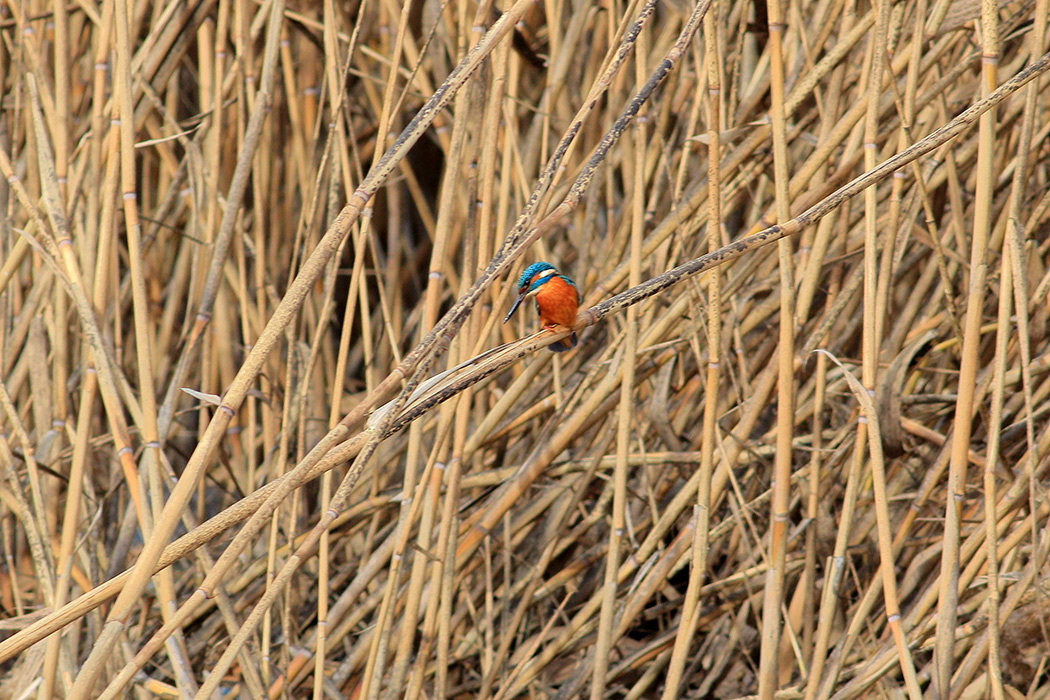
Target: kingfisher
{"x":557,"y":299}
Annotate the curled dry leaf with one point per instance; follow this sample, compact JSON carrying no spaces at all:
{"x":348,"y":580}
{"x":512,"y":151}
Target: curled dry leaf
{"x":888,"y":395}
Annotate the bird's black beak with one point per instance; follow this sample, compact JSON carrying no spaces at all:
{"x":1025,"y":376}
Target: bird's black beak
{"x":517,"y":303}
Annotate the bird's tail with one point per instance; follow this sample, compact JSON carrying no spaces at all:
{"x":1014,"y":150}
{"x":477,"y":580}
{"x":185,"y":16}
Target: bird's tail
{"x":563,"y":344}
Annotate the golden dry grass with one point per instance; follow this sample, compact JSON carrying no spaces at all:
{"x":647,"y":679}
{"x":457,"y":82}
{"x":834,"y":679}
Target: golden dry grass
{"x":776,"y":478}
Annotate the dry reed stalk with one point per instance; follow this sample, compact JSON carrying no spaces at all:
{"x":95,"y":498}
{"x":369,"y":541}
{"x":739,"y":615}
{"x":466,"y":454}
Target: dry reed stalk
{"x":188,"y":188}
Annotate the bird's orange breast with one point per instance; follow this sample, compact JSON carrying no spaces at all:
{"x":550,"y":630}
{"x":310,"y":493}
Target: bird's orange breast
{"x":557,"y":302}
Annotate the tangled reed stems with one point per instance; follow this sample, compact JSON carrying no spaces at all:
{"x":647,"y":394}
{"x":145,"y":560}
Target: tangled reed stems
{"x":262,"y":431}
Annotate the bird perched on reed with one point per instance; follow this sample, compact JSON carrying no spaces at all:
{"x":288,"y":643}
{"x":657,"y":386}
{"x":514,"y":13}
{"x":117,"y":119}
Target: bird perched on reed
{"x":557,"y":300}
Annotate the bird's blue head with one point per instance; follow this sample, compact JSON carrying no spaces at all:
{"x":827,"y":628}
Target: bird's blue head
{"x":525,"y":283}
{"x":531,"y":279}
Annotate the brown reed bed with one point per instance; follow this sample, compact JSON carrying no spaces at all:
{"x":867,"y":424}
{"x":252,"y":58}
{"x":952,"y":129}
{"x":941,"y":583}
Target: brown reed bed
{"x":816,"y":470}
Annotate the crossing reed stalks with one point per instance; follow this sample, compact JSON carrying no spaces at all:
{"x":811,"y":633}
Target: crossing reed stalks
{"x":262,"y":432}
